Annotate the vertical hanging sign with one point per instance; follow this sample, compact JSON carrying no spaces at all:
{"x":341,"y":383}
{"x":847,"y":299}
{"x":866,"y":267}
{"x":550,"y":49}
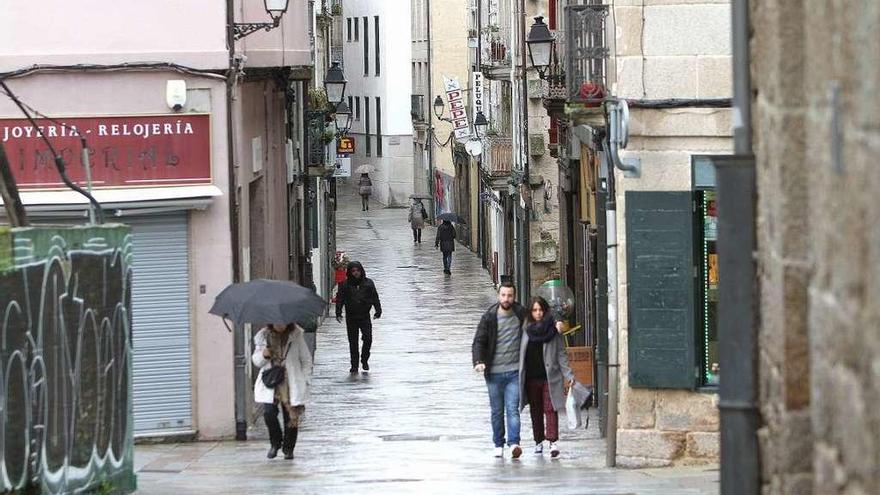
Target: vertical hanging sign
{"x":457,"y":110}
{"x":477,"y":89}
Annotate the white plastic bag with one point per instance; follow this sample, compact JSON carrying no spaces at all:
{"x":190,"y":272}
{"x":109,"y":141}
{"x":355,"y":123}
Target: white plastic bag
{"x":572,"y":412}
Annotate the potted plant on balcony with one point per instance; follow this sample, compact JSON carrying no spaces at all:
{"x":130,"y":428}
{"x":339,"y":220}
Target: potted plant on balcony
{"x":336,"y":9}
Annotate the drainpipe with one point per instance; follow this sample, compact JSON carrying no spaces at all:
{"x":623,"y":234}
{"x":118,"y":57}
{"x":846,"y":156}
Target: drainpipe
{"x":238,"y":333}
{"x":738,"y":313}
{"x":525,"y":244}
{"x":430,"y":111}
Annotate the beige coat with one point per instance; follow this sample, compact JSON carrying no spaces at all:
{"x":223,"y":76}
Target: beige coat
{"x":298,"y":364}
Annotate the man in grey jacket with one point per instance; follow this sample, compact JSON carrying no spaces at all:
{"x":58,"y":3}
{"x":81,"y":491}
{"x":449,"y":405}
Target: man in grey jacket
{"x":496,"y":354}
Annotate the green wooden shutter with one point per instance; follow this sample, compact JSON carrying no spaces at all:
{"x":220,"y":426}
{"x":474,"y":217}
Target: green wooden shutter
{"x":661,"y":289}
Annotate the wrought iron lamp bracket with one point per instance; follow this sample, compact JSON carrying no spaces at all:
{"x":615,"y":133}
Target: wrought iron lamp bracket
{"x":242,"y":29}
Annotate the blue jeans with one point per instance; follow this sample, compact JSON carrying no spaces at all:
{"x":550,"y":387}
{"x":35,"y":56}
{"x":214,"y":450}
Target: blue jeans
{"x":447,"y":261}
{"x":504,"y":398}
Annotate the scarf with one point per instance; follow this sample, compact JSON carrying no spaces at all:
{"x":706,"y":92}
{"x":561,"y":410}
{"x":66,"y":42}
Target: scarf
{"x":542,"y":331}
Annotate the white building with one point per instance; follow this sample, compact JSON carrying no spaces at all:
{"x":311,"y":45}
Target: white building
{"x":377,"y":58}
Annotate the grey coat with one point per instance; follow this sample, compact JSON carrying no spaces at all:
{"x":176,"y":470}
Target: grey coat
{"x":556,"y":365}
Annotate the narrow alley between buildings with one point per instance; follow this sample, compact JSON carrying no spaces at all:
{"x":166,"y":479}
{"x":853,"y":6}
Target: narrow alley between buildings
{"x":418,"y":422}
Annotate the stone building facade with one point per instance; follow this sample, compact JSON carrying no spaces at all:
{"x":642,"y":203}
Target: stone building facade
{"x":816,"y":136}
{"x":668,"y":50}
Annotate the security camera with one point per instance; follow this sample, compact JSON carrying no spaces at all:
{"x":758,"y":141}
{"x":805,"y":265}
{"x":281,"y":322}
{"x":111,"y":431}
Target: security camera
{"x":175,"y":94}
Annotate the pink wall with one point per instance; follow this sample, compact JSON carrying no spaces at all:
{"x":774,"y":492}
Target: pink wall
{"x":190,"y":32}
{"x":210,"y":257}
{"x":263,"y":49}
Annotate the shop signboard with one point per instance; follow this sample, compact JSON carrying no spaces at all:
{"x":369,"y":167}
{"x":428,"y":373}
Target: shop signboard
{"x":345,"y":146}
{"x":461,"y":128}
{"x":343,"y":166}
{"x":128,"y":151}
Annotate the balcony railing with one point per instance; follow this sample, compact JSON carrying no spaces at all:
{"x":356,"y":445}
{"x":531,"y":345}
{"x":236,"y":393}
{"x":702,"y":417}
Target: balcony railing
{"x":499,"y":156}
{"x":495,"y":33}
{"x":417,"y":111}
{"x":587,"y":53}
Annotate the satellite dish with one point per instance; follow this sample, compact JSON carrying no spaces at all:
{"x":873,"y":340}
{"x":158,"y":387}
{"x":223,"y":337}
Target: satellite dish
{"x":474,"y":147}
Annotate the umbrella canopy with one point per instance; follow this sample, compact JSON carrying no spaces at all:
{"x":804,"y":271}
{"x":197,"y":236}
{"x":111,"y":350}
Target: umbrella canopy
{"x":260,"y":302}
{"x":452,"y":217}
{"x":365,"y":169}
{"x":420,"y":196}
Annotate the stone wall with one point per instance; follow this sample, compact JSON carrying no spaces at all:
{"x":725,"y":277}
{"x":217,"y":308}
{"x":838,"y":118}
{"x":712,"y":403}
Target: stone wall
{"x":656,"y":60}
{"x":819,"y":255}
{"x":65,"y":360}
{"x":818,"y":249}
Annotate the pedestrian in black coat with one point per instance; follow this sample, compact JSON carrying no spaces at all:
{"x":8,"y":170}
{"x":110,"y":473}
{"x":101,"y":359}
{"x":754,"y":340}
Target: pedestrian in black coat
{"x":358,"y":294}
{"x":445,"y":241}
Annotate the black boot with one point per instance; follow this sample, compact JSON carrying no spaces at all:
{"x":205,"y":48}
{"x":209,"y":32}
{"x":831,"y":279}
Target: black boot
{"x":290,"y":435}
{"x":273,"y":452}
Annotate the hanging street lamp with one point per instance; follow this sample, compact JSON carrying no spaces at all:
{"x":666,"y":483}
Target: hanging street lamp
{"x":540,"y":43}
{"x":438,"y":106}
{"x":343,"y":118}
{"x":334,"y":84}
{"x":481,"y":124}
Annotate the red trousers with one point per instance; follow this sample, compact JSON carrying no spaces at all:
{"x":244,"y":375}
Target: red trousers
{"x":541,"y":408}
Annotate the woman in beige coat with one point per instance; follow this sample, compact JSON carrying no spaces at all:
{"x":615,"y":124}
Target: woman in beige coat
{"x":277,"y":344}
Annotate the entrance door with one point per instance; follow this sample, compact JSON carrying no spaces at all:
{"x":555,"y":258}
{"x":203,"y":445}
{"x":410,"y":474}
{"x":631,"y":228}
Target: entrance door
{"x":161,"y":373}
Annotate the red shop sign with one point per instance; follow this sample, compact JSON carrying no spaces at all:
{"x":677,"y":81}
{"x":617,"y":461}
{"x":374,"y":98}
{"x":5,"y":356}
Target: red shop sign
{"x":123,"y":151}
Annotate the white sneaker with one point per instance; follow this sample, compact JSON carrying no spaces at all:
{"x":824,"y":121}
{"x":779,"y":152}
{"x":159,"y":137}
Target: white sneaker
{"x":554,"y":450}
{"x":539,"y":448}
{"x":515,"y":451}
{"x":499,"y":452}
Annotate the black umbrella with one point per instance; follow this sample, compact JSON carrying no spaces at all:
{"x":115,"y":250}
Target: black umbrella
{"x":260,"y":302}
{"x":452,"y":217}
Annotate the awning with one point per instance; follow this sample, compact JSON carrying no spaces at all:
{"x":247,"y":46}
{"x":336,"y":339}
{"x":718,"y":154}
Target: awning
{"x":119,"y":202}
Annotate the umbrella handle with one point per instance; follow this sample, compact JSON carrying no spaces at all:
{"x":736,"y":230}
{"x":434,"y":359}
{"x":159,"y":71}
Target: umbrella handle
{"x":225,"y":322}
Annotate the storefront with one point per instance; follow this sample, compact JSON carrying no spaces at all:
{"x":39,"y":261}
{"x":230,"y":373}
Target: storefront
{"x":157,"y":174}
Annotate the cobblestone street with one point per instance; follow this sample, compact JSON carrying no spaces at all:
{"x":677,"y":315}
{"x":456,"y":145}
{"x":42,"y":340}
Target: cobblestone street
{"x":418,"y":422}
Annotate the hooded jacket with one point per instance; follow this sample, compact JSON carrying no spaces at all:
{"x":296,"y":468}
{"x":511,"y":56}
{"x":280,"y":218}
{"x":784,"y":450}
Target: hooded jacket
{"x":445,"y":239}
{"x":357,"y":296}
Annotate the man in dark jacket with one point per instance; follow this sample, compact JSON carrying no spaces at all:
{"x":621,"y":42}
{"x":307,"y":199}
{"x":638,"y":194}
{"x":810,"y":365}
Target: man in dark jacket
{"x":496,"y":354}
{"x":357,"y":294}
{"x":445,"y":240}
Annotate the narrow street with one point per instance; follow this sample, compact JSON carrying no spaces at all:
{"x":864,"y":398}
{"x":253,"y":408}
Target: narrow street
{"x":418,"y":422}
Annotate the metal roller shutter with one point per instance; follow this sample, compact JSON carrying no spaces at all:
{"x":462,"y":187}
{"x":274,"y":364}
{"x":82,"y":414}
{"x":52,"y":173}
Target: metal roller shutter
{"x":161,"y":325}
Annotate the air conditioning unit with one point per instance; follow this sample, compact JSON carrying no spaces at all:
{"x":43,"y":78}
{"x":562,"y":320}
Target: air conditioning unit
{"x":536,"y":145}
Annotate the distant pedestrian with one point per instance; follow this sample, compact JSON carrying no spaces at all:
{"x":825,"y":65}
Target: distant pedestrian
{"x":445,"y":241}
{"x":283,"y":345}
{"x":496,"y":350}
{"x":416,"y":219}
{"x":543,"y":367}
{"x":358,"y":295}
{"x":365,"y":189}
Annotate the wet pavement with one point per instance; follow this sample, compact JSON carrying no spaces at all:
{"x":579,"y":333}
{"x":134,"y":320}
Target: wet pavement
{"x":418,"y":422}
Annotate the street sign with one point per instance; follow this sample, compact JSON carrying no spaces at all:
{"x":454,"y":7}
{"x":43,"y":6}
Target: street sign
{"x":345,"y":145}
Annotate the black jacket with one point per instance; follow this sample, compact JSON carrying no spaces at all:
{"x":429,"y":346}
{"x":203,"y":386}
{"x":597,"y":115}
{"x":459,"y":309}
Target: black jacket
{"x":486,"y":338}
{"x":445,"y":237}
{"x":357,"y":296}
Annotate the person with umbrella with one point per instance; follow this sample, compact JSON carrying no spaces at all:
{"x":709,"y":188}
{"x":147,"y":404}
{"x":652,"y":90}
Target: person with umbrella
{"x":417,"y":217}
{"x":358,"y":295}
{"x":280,"y":349}
{"x":284,"y":346}
{"x":445,"y":239}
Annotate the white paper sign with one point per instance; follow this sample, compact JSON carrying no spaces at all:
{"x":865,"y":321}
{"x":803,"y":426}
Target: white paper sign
{"x":343,"y":166}
{"x":461,"y":127}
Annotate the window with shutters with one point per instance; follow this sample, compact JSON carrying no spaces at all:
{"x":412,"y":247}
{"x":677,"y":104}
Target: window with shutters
{"x":661,"y":289}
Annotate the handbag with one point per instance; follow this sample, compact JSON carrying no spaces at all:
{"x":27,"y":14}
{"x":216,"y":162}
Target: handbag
{"x":275,"y":375}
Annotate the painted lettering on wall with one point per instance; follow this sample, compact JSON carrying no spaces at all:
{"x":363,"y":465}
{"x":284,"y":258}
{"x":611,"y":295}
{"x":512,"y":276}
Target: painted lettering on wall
{"x":123,"y":151}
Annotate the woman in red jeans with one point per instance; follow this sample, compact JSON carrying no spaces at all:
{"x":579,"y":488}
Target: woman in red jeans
{"x":543,"y":369}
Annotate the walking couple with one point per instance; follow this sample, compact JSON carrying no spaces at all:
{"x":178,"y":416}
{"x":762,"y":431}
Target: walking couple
{"x":521,"y":353}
